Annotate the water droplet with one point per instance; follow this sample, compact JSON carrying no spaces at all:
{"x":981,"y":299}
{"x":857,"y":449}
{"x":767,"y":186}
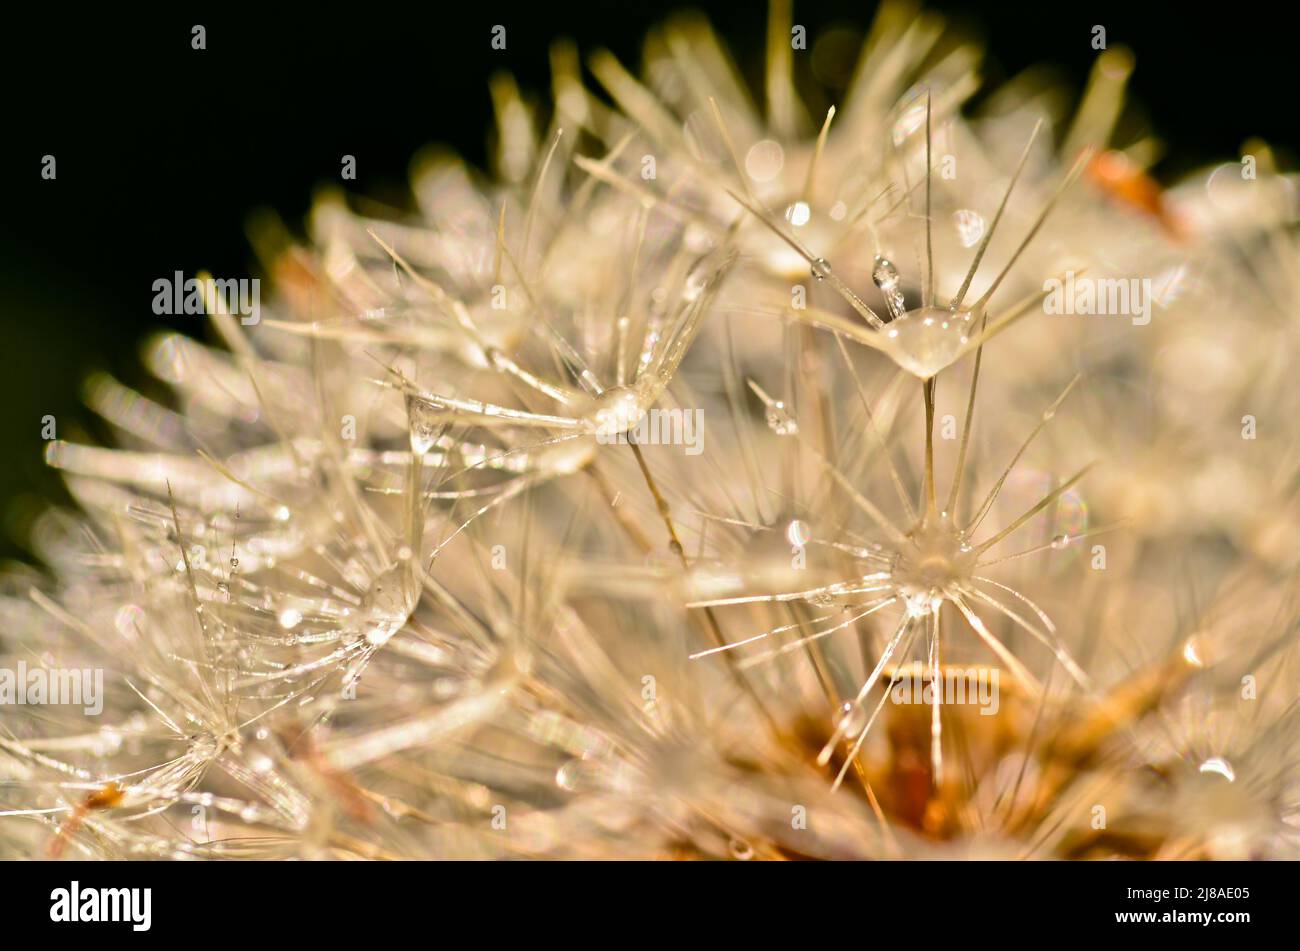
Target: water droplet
{"x":1233,"y":197}
{"x":970,"y":226}
{"x":129,"y":620}
{"x":698,"y":239}
{"x":615,"y":411}
{"x":696,"y":281}
{"x":798,"y":533}
{"x":853,"y":719}
{"x":577,"y":774}
{"x":780,"y":421}
{"x":886,"y":277}
{"x":424,"y":419}
{"x":110,"y":741}
{"x":1220,"y":767}
{"x":928,"y":339}
{"x":798,"y":214}
{"x":386,"y":605}
{"x":911,"y":118}
{"x":289,"y":618}
{"x":764,"y":160}
{"x":821,"y":268}
{"x":1060,"y":541}
{"x":741,"y":850}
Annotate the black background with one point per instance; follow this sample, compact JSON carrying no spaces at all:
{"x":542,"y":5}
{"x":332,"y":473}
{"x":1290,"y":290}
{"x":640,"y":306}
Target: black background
{"x":163,"y":151}
{"x":657,"y":905}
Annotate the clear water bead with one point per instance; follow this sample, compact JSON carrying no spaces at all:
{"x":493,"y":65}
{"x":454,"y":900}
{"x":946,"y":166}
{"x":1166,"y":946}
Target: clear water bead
{"x":928,"y":339}
{"x":387,"y":605}
{"x":886,"y":277}
{"x":424,"y":420}
{"x":1219,"y":767}
{"x":780,"y":421}
{"x":970,"y":226}
{"x":580,"y":774}
{"x":853,"y":719}
{"x":615,"y":411}
{"x":910,"y":118}
{"x":741,"y":850}
{"x":798,"y":533}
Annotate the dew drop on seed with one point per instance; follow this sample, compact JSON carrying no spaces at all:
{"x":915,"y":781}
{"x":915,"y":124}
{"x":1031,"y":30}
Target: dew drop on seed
{"x":615,"y":411}
{"x":696,"y":283}
{"x":853,"y":719}
{"x":928,"y":339}
{"x":970,"y":226}
{"x":386,"y":606}
{"x":1219,"y":766}
{"x":780,"y":421}
{"x":741,"y":850}
{"x":797,"y":533}
{"x":129,"y":619}
{"x":424,"y":425}
{"x":911,"y":118}
{"x":764,"y":160}
{"x":886,"y":277}
{"x":575,"y":774}
{"x":798,"y":214}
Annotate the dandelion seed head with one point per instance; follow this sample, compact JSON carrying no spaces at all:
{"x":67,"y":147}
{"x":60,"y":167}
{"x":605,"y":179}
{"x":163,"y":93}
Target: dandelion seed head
{"x":380,"y":568}
{"x":935,"y":559}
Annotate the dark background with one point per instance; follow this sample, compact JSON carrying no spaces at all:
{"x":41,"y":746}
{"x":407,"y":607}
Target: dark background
{"x":163,"y":151}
